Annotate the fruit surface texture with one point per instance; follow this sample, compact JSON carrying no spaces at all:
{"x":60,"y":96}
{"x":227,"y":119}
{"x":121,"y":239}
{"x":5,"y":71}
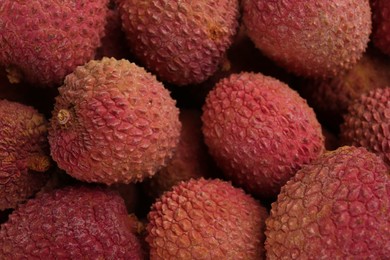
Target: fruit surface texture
{"x":42,"y":41}
{"x":206,"y":219}
{"x":337,"y":207}
{"x":182,"y":42}
{"x":310,"y":38}
{"x":259,"y":131}
{"x":113,"y":122}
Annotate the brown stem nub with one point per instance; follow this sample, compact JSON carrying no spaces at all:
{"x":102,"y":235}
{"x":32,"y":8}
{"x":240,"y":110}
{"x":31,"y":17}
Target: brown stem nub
{"x":63,"y":116}
{"x":38,"y":162}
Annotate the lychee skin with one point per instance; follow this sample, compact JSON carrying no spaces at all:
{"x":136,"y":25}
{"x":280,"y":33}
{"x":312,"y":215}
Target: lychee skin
{"x":182,"y":42}
{"x":381,"y":25}
{"x":310,"y":38}
{"x":70,"y":223}
{"x":44,"y":40}
{"x":24,"y":153}
{"x":337,"y":207}
{"x":206,"y":219}
{"x":260,"y":132}
{"x":367,"y":123}
{"x":113,"y":122}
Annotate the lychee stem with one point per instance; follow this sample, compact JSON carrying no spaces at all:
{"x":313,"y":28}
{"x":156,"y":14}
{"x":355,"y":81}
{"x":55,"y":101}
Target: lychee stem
{"x":38,"y":162}
{"x":14,"y":75}
{"x":63,"y":116}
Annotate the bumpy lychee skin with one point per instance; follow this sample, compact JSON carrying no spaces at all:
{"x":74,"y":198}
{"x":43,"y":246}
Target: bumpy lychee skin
{"x":259,"y":131}
{"x":24,"y":153}
{"x":113,"y":122}
{"x":310,"y":38}
{"x":42,"y":41}
{"x":70,"y":223}
{"x":191,"y":159}
{"x":367,"y":123}
{"x":330,"y":98}
{"x":337,"y":207}
{"x":182,"y":42}
{"x":206,"y":219}
{"x":381,"y":25}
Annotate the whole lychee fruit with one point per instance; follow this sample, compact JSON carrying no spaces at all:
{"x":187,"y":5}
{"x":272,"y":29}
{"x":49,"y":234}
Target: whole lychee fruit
{"x":336,"y":207}
{"x":314,"y":38}
{"x":206,"y":219}
{"x":71,"y":223}
{"x":42,"y":41}
{"x":24,"y":153}
{"x":260,"y":131}
{"x":182,"y":42}
{"x":113,"y":122}
{"x":367,"y":123}
{"x":381,"y":25}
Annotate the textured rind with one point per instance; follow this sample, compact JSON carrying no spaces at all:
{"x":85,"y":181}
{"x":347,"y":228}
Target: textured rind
{"x":23,"y":132}
{"x":338,"y":207}
{"x":123,"y":125}
{"x":381,"y":24}
{"x":191,"y":159}
{"x":310,"y":38}
{"x":330,"y":98}
{"x":206,"y":219}
{"x":46,"y":40}
{"x":367,"y":123}
{"x":259,"y":131}
{"x":182,"y":42}
{"x":70,"y":223}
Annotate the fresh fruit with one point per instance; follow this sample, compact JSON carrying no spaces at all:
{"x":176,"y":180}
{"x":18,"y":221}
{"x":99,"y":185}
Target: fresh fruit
{"x":330,"y":98}
{"x":367,"y":123}
{"x":381,"y":24}
{"x":71,"y":223}
{"x":260,"y":132}
{"x":113,"y":122}
{"x":182,"y":42}
{"x":191,"y":159}
{"x":42,"y":41}
{"x":206,"y":219}
{"x":24,"y":153}
{"x":337,"y":207}
{"x":313,"y":38}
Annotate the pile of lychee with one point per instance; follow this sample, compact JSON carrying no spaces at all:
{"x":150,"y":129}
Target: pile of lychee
{"x":178,"y":129}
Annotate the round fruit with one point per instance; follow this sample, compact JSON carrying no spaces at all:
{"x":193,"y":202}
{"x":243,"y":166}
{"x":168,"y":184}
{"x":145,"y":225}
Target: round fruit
{"x":71,"y":223}
{"x":337,"y":207}
{"x":206,"y":219}
{"x":260,"y":131}
{"x":315,"y":38}
{"x":113,"y":122}
{"x":41,"y":41}
{"x":367,"y":123}
{"x":24,"y":153}
{"x":182,"y":42}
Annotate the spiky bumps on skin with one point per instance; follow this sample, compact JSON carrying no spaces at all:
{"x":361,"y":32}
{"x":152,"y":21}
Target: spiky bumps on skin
{"x":191,"y":159}
{"x":44,"y":40}
{"x":70,"y":223}
{"x":367,"y":123}
{"x":182,"y":42}
{"x":310,"y":38}
{"x":330,"y":98}
{"x":381,"y":24}
{"x":113,"y":122}
{"x":259,"y":131}
{"x":338,"y":207}
{"x":24,"y":153}
{"x":206,"y":219}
